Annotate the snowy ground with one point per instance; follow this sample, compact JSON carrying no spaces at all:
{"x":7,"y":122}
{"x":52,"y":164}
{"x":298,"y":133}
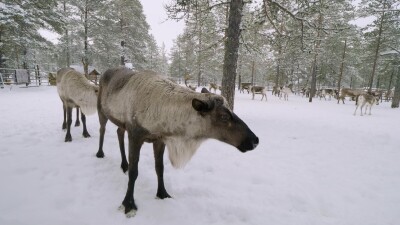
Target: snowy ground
{"x":316,"y":164}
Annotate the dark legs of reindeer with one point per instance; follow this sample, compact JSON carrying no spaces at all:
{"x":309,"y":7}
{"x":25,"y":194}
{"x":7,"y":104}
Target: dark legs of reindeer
{"x":85,"y":132}
{"x":159,"y":148}
{"x":69,"y":122}
{"x":77,"y":122}
{"x":64,"y":125}
{"x":103,"y":121}
{"x":134,"y":150}
{"x":124,"y":162}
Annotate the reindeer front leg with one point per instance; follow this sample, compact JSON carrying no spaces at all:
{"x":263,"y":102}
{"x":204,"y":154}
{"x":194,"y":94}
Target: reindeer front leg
{"x":77,"y":122}
{"x":68,"y":136}
{"x":159,"y":148}
{"x":355,"y":111}
{"x":135,"y":143}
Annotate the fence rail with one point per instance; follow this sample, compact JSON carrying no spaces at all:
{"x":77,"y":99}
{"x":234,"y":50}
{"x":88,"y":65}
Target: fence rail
{"x":35,"y":77}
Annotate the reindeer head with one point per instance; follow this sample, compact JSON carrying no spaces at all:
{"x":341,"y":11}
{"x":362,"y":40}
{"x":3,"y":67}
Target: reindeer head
{"x":225,"y":125}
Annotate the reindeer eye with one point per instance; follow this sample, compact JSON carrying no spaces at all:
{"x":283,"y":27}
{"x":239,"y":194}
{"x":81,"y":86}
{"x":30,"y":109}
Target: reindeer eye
{"x":224,"y":117}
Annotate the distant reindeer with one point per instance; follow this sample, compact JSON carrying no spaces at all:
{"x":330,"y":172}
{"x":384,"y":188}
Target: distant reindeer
{"x":305,"y":92}
{"x":347,"y":92}
{"x":326,"y":92}
{"x":389,"y":95}
{"x":276,"y":90}
{"x":214,"y":86}
{"x":377,"y":94}
{"x":153,"y":109}
{"x":365,"y":100}
{"x":259,"y":90}
{"x":191,"y":87}
{"x":245,"y":86}
{"x":76,"y":91}
{"x":284,"y":91}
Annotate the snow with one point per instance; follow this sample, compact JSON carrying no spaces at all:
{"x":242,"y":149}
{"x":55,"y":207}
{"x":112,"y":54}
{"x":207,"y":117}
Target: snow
{"x":316,"y":164}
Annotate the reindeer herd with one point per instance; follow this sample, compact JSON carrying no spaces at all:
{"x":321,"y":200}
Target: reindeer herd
{"x":362,"y":97}
{"x":151,"y":108}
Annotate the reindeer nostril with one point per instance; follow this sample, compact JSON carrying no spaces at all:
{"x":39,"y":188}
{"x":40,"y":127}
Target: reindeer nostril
{"x":256,"y":141}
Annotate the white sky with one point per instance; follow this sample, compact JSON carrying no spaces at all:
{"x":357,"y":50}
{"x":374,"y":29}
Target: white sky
{"x":164,"y":31}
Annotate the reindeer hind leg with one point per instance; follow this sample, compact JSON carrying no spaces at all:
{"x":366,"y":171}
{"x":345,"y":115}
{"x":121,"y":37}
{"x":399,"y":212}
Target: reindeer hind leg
{"x":103,"y":122}
{"x":85,"y":133}
{"x":124,"y":162}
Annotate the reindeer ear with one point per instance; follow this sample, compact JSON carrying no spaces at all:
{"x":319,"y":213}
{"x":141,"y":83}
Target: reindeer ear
{"x":201,"y":106}
{"x":204,"y":90}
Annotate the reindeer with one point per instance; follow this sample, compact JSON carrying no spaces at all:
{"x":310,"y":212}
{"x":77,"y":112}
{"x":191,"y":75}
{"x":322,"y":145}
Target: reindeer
{"x":327,"y":91}
{"x":284,"y":91}
{"x":353,"y":93}
{"x":245,"y":86}
{"x":259,"y":90}
{"x":365,"y":100}
{"x":389,"y":95}
{"x":153,"y":109}
{"x":191,"y":87}
{"x":215,"y":87}
{"x":377,"y":93}
{"x":276,"y":90}
{"x":75,"y":91}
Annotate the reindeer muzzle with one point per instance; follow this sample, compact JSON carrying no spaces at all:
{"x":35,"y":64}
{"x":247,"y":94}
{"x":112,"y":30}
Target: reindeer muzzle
{"x":249,"y":143}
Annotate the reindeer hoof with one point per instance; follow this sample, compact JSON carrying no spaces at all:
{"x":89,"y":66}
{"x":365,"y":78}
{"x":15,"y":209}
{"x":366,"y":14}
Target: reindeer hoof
{"x":86,"y":134}
{"x":68,"y":139}
{"x":77,"y":123}
{"x":129,"y":214}
{"x":130,"y":210}
{"x":64,"y":126}
{"x":100,"y":154}
{"x":162,"y":195}
{"x":124,"y":167}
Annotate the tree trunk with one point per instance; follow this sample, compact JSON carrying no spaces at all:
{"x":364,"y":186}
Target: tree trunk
{"x":231,"y":51}
{"x":314,"y":67}
{"x":278,"y":72}
{"x":67,"y":55}
{"x":390,"y":81}
{"x":239,"y":73}
{"x":313,"y":79}
{"x":199,"y":52}
{"x":376,"y":53}
{"x":1,"y":53}
{"x":396,"y":96}
{"x":85,"y":58}
{"x":252,"y":72}
{"x":341,"y":69}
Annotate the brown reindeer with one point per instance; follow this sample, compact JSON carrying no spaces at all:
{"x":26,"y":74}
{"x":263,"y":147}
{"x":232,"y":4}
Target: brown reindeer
{"x":215,"y":87}
{"x":365,"y":100}
{"x":347,"y":92}
{"x":326,"y":92}
{"x":193,"y":88}
{"x":259,"y":90}
{"x":153,"y":109}
{"x":245,"y":86}
{"x":75,"y":91}
{"x":276,"y":90}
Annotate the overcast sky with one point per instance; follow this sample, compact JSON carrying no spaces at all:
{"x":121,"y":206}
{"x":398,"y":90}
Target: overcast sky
{"x":163,"y":30}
